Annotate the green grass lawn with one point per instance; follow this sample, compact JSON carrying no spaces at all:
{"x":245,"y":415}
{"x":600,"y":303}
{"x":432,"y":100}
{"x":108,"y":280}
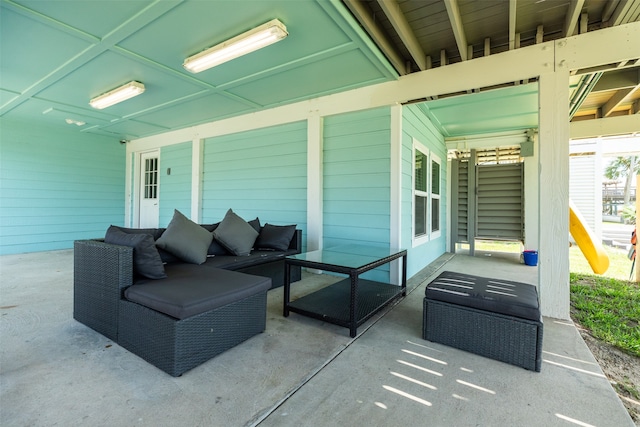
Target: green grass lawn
{"x":608,"y":308}
{"x":608,"y":305}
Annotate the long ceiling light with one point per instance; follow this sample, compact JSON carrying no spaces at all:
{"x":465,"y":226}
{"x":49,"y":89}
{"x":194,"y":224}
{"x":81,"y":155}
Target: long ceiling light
{"x":119,"y":94}
{"x":247,"y":42}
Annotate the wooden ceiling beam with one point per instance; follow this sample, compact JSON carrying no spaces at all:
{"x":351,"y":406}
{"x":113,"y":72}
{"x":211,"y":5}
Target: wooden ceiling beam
{"x":399,"y":22}
{"x":625,"y":12}
{"x":365,"y":17}
{"x":572,"y":17}
{"x":512,"y":24}
{"x":609,"y":8}
{"x":609,"y":107}
{"x":540,"y":34}
{"x":456,"y":25}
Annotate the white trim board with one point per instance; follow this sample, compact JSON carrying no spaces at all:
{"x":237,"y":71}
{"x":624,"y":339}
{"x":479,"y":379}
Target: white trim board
{"x":518,"y":64}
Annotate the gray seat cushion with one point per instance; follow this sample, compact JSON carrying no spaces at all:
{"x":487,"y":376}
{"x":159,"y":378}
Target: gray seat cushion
{"x":191,"y":289}
{"x":493,"y":295}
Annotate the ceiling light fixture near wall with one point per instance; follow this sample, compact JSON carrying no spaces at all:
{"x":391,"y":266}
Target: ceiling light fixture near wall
{"x":117,"y":95}
{"x":252,"y":40}
{"x":75,"y":122}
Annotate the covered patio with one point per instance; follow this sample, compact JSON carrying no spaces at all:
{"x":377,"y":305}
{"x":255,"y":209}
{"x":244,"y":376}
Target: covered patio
{"x":300,"y":371}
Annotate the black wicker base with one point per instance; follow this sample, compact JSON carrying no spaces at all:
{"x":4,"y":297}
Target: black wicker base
{"x":500,"y":337}
{"x":101,"y":271}
{"x":175,"y":346}
{"x":333,"y":303}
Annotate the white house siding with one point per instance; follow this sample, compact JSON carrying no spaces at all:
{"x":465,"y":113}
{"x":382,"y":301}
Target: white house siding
{"x":357,"y":181}
{"x":175,"y":186}
{"x":417,"y":125}
{"x":585,"y":189}
{"x":258,"y":173}
{"x":57,"y":186}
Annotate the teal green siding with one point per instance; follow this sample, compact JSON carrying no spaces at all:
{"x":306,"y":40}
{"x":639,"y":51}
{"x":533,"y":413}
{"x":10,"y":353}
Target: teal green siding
{"x":260,"y":173}
{"x":175,"y":187}
{"x":357,"y":184}
{"x":57,"y":186}
{"x":416,"y":125}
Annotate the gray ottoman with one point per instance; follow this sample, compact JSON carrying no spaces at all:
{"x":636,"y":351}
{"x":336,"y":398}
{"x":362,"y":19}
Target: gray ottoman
{"x":494,"y":318}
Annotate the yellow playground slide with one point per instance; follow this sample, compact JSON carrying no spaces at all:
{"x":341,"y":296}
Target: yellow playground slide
{"x":590,"y":246}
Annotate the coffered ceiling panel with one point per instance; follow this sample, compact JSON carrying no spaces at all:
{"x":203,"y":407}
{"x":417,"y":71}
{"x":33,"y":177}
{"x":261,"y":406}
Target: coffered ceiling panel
{"x":498,"y":110}
{"x":95,"y":17}
{"x":195,"y":111}
{"x":31,"y":49}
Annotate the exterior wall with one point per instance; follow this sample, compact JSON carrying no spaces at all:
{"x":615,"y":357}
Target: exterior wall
{"x":57,"y":186}
{"x":258,"y":173}
{"x":356,"y":176}
{"x":175,"y":188}
{"x":263,"y":172}
{"x":417,"y":125}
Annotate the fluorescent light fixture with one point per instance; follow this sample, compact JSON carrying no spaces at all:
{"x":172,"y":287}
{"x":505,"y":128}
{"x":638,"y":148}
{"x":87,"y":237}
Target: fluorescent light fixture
{"x":75,"y":122}
{"x":247,"y":42}
{"x":120,"y":94}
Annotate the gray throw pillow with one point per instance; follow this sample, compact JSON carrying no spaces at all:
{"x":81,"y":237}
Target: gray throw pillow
{"x":215,"y":248}
{"x":235,"y":234}
{"x":155,"y":232}
{"x":185,"y":239}
{"x":255,"y":223}
{"x":146,"y":259}
{"x":275,"y":237}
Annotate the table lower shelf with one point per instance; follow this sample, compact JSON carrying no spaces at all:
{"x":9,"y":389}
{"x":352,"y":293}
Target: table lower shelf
{"x":332,"y":304}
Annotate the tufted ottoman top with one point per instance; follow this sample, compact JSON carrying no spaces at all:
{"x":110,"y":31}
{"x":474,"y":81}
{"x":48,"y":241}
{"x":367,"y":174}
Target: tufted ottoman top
{"x":493,"y":295}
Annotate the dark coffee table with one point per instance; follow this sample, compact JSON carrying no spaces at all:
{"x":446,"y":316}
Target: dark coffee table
{"x":352,"y":301}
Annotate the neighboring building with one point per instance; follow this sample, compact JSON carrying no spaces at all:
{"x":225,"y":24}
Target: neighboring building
{"x":588,"y":160}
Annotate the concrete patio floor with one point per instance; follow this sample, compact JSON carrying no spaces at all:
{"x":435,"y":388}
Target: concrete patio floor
{"x":300,"y":371}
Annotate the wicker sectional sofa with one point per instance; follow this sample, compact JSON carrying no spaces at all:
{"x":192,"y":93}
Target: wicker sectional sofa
{"x":189,"y":313}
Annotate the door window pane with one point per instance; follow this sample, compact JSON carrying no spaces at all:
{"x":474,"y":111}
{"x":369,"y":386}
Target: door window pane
{"x":151,"y":178}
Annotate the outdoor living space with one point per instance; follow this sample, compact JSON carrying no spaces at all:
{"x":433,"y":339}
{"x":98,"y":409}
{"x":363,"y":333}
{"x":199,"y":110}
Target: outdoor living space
{"x":300,"y":371}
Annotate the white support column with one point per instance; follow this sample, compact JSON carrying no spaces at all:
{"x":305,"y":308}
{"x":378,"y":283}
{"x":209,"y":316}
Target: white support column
{"x":553,"y":273}
{"x":197,"y":159}
{"x":128,"y":202}
{"x":395,"y":220}
{"x":314,"y":182}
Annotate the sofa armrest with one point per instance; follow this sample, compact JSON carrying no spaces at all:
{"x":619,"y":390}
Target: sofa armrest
{"x":296,"y":242}
{"x":101,"y":273}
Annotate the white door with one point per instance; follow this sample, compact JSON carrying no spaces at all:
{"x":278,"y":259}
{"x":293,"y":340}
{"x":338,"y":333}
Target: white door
{"x":149,"y":190}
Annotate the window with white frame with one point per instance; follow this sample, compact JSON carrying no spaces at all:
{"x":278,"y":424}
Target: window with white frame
{"x":435,"y":195}
{"x":420,"y":192}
